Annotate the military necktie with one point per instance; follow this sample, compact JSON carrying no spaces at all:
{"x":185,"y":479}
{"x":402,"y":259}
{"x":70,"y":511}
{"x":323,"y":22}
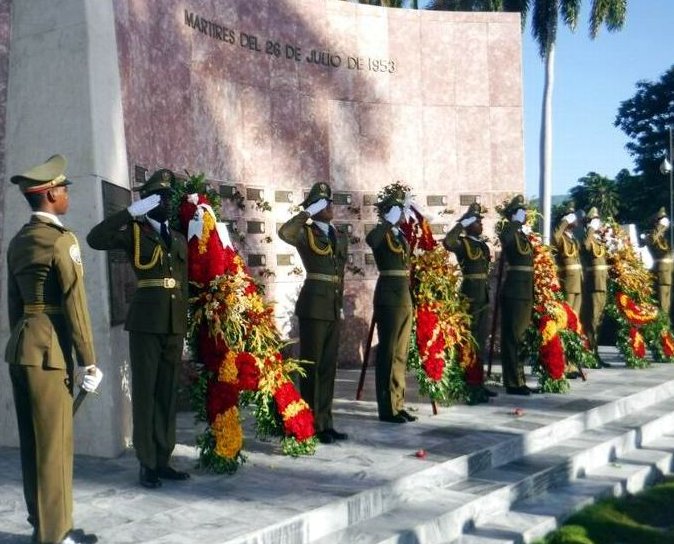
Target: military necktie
{"x":165,"y":234}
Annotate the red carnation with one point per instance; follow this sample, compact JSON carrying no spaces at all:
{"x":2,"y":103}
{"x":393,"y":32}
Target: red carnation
{"x":220,"y":397}
{"x":427,"y":320}
{"x":301,"y":426}
{"x":552,"y":357}
{"x":249,"y":374}
{"x":571,"y":317}
{"x":285,"y":395}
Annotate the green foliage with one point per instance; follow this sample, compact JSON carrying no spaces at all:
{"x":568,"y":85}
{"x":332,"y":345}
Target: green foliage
{"x":643,"y":518}
{"x":194,"y":184}
{"x":210,"y":460}
{"x":645,"y":118}
{"x":290,"y":446}
{"x":598,"y":191}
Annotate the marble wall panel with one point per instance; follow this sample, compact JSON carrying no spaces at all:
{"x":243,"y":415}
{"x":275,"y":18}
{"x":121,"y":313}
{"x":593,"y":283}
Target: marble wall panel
{"x":446,"y":120}
{"x":505,"y":78}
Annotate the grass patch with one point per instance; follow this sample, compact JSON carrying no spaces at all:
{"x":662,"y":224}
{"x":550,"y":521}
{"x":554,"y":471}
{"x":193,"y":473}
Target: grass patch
{"x":646,"y":518}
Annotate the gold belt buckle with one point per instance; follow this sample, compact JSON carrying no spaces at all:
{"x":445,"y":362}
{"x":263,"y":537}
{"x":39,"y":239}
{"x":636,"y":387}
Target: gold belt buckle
{"x":169,"y":283}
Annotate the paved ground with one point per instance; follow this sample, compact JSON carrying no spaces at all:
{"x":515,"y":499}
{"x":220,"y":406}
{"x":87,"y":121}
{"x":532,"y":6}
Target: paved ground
{"x":270,"y":488}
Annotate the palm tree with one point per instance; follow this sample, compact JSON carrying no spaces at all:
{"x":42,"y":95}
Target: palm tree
{"x":598,"y":191}
{"x":546,"y":14}
{"x":544,"y":21}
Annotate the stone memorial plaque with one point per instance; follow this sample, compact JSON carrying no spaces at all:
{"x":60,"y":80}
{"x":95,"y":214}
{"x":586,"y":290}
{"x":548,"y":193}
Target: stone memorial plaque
{"x":254,"y":194}
{"x":257,"y":259}
{"x":121,"y":278}
{"x":283,"y":196}
{"x":467,"y":200}
{"x":342,"y":199}
{"x":369,"y":199}
{"x":436,"y":200}
{"x":255,"y":227}
{"x":285,"y":259}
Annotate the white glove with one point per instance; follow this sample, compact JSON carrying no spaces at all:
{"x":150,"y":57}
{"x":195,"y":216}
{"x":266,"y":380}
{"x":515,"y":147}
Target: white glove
{"x":569,"y":218}
{"x":520,"y":215}
{"x":319,"y":205}
{"x":90,"y":378}
{"x":526,"y":229}
{"x":664,"y":221}
{"x":595,"y":223}
{"x":393,"y":215}
{"x":144,"y":205}
{"x":409,"y":215}
{"x":468,"y":221}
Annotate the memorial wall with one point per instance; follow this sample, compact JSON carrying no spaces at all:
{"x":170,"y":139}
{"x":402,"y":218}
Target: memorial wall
{"x":266,"y":97}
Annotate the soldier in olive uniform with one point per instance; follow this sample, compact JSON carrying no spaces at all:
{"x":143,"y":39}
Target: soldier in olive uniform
{"x":474,"y":257}
{"x":323,"y":250}
{"x":658,"y":244}
{"x":157,"y":319}
{"x":48,"y":316}
{"x":392,"y":309}
{"x":518,"y":295}
{"x":570,"y":270}
{"x":595,"y":277}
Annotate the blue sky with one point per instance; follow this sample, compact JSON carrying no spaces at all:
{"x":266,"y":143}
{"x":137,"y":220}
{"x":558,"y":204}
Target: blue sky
{"x":592,"y":78}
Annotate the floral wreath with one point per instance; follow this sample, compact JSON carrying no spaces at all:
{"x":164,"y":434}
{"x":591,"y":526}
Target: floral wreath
{"x":236,"y":343}
{"x":630,"y":301}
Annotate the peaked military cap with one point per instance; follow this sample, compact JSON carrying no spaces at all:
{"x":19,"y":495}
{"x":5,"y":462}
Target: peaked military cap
{"x":160,"y":181}
{"x":660,"y":213}
{"x":474,"y":210}
{"x":319,"y":190}
{"x":593,"y":213}
{"x":515,"y":204}
{"x":45,"y":176}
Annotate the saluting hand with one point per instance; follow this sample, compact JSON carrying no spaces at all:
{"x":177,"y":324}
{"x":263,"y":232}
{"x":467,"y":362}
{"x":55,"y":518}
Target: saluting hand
{"x":664,"y":221}
{"x":144,"y":205}
{"x":318,"y":206}
{"x":468,"y":221}
{"x":520,"y":215}
{"x":393,"y":215}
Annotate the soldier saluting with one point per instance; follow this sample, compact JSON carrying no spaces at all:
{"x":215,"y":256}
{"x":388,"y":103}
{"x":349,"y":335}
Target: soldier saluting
{"x":658,"y":245}
{"x":323,"y":250}
{"x":157,"y":319}
{"x":49,"y":318}
{"x":473,"y":255}
{"x":568,"y":259}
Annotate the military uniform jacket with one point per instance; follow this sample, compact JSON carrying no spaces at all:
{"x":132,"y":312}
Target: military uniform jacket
{"x":593,"y":256}
{"x":392,"y":254}
{"x":46,"y":297}
{"x":321,"y":296}
{"x":568,"y":259}
{"x":474,"y":257}
{"x":157,"y":309}
{"x":519,"y":255}
{"x":658,"y":245}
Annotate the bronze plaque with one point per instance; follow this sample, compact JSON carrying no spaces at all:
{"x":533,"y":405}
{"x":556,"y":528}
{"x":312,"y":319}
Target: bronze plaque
{"x":227,"y":191}
{"x":255,"y":227}
{"x":139,"y":175}
{"x":254,"y":194}
{"x":121,"y":278}
{"x":285,"y":259}
{"x":283,"y":196}
{"x":257,"y":259}
{"x":436,"y":200}
{"x":342,"y":199}
{"x":467,"y":200}
{"x":369,"y":199}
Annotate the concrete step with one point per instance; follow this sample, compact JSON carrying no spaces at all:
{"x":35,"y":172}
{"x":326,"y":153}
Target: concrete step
{"x":534,"y":517}
{"x":440,"y":512}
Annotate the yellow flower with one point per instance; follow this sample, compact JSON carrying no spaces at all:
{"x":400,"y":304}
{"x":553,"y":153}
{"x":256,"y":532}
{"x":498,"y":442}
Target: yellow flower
{"x":294,"y":408}
{"x":228,"y":433}
{"x":209,"y":225}
{"x":228,"y":371}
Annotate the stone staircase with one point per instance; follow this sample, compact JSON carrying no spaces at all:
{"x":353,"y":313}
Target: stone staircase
{"x":511,"y":490}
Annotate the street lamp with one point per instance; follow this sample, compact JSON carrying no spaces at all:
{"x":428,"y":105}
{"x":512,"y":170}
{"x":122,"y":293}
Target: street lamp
{"x":666,"y":168}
